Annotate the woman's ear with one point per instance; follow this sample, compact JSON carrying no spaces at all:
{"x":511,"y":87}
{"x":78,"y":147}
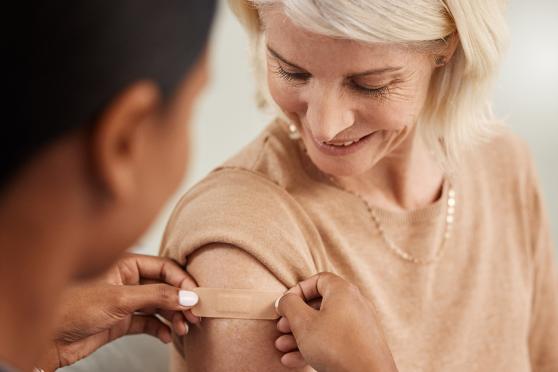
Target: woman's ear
{"x":118,"y":139}
{"x":446,"y":54}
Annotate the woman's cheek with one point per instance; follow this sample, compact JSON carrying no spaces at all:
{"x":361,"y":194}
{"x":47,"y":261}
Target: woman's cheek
{"x":394,"y":116}
{"x":285,"y":96}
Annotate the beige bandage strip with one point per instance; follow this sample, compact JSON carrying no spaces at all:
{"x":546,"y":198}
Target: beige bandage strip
{"x":236,"y":303}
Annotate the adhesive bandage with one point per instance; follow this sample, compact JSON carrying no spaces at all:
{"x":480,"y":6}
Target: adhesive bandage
{"x":236,"y":303}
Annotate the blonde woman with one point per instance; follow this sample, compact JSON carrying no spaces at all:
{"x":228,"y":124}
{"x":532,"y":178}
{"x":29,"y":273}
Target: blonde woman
{"x":386,"y":167}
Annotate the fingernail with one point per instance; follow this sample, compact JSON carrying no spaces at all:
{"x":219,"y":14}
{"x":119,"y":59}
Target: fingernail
{"x":187,"y":298}
{"x":187,"y":327}
{"x":277,"y":303}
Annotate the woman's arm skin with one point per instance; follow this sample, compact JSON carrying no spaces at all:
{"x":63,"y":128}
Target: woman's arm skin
{"x":342,"y":334}
{"x":95,"y":313}
{"x":232,"y":345}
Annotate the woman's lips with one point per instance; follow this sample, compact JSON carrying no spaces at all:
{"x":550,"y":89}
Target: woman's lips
{"x":342,"y":149}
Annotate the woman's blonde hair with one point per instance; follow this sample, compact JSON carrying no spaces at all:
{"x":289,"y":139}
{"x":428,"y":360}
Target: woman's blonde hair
{"x":458,"y":111}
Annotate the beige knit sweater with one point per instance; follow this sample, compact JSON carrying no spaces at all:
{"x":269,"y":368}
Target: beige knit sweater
{"x":489,"y":304}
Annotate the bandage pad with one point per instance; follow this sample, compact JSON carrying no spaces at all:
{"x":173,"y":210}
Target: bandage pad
{"x":236,"y":303}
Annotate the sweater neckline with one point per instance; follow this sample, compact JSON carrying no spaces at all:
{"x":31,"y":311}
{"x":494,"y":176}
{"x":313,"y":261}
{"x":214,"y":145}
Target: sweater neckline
{"x":389,"y":217}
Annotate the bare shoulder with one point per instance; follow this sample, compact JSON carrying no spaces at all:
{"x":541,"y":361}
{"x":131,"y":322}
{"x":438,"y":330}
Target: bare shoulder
{"x":231,"y":344}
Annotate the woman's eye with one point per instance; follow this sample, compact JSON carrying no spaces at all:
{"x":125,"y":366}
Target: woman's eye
{"x":380,"y":91}
{"x":292,"y":76}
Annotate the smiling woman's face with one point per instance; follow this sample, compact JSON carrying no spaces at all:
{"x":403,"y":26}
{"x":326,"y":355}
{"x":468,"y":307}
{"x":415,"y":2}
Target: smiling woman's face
{"x":353,"y":103}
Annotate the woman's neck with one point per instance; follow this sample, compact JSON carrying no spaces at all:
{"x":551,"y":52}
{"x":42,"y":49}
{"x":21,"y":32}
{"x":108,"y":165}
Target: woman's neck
{"x":408,"y":178}
{"x":30,"y":281}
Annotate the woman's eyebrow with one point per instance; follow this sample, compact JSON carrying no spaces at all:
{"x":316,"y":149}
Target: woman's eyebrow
{"x":282,"y":59}
{"x":377,"y":71}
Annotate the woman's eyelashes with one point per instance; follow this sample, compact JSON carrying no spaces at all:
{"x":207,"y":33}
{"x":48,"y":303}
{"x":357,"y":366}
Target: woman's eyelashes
{"x":298,"y":78}
{"x":379,"y":92}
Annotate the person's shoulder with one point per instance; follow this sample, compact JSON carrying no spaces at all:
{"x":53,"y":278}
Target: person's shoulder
{"x":273,"y":155}
{"x":503,"y":154}
{"x":252,"y":186}
{"x":236,"y":190}
{"x":502,"y":169}
{"x":241,"y":208}
{"x":503,"y":145}
{"x":252,"y":178}
{"x":230,"y":194}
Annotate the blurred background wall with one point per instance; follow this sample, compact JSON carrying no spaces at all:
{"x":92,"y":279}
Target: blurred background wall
{"x":526,"y":95}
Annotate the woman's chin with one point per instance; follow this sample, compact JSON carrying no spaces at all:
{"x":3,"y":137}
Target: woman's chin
{"x":341,"y":167}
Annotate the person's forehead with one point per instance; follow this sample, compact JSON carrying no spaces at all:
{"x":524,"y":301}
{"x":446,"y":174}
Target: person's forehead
{"x":306,"y":48}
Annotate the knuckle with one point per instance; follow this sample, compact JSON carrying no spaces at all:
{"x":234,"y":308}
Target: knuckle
{"x":286,"y":302}
{"x":164,"y":293}
{"x":283,"y":302}
{"x":119,"y":299}
{"x":339,"y":281}
{"x":165,"y":269}
{"x":169,"y":263}
{"x":128,"y":270}
{"x":128,"y":260}
{"x":128,"y":256}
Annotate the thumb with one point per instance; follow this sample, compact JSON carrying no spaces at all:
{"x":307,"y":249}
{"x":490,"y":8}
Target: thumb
{"x":160,"y":296}
{"x":293,"y":307}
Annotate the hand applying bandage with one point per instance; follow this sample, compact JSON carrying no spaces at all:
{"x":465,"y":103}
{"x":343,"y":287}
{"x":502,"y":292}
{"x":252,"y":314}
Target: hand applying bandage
{"x":342,"y":333}
{"x":131,"y":298}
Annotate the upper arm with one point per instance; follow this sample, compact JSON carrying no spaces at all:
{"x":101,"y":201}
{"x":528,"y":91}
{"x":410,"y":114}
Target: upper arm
{"x":544,"y":312}
{"x":231,"y":344}
{"x":238,"y":229}
{"x":544,"y":316}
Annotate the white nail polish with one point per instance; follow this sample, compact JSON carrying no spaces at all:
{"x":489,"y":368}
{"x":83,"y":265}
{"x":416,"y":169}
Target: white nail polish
{"x":187,"y":298}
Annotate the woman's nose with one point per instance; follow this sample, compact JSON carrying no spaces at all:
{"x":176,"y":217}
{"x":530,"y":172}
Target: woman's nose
{"x":327,"y":116}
